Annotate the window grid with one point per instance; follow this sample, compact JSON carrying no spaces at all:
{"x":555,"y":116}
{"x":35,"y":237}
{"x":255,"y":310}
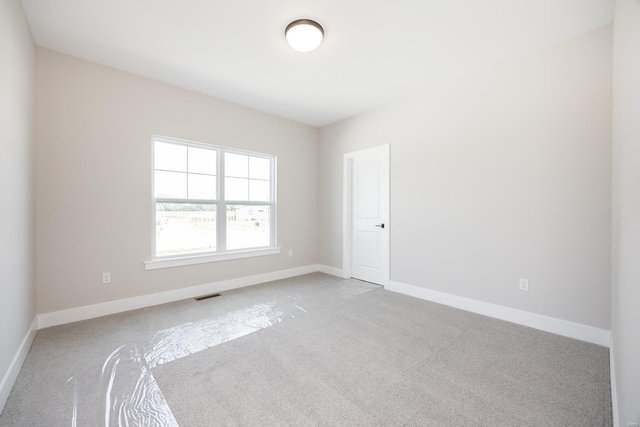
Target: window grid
{"x":264,"y":223}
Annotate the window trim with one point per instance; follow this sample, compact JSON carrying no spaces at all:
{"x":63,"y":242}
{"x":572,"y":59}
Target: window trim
{"x":220,"y":254}
{"x":209,"y":257}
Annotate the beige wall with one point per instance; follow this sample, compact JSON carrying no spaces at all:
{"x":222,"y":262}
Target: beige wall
{"x":626,"y":208}
{"x":93,"y":180}
{"x":501,"y":176}
{"x":17,"y":292}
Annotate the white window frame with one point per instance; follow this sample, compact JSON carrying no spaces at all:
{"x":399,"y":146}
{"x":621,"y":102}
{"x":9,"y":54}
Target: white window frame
{"x":221,"y":253}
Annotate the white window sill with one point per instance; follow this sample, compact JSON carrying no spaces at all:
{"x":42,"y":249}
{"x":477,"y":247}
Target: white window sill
{"x":201,"y":259}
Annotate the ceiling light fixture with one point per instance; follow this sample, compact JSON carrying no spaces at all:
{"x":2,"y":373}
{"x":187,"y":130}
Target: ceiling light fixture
{"x":304,"y":35}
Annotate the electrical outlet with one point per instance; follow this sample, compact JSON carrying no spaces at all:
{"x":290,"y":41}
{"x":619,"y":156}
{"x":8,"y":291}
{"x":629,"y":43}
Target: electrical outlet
{"x":290,"y":252}
{"x":524,"y":285}
{"x":106,"y":278}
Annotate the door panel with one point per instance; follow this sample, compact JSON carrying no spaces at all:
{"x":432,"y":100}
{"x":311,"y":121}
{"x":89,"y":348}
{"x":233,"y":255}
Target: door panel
{"x":367,"y":191}
{"x":368,"y":249}
{"x":370,"y":222}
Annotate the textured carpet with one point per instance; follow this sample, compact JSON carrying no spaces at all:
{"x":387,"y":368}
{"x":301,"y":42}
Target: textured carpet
{"x":387,"y":359}
{"x":311,"y":350}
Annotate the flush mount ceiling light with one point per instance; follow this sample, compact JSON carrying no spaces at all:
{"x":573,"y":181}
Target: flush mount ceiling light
{"x":304,"y":35}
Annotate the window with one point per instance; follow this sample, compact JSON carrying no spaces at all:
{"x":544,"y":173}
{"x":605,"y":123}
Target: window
{"x":211,"y":200}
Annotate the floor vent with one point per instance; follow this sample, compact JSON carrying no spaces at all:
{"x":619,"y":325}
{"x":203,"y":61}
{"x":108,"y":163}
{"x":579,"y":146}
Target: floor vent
{"x":206,"y":297}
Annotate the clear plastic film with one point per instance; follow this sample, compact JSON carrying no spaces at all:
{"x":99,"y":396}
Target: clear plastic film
{"x":174,"y":343}
{"x":120,"y":390}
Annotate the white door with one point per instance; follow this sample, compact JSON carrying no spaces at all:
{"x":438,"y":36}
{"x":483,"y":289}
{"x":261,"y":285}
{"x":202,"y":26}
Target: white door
{"x":370,"y":216}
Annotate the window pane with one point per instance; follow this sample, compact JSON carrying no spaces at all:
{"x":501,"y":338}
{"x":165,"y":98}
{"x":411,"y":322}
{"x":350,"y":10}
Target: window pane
{"x":202,"y":161}
{"x":236,"y":189}
{"x":183,"y":228}
{"x":248,"y":226}
{"x":259,"y":191}
{"x":170,"y":157}
{"x":170,"y":185}
{"x":259,"y":168}
{"x":236,"y":165}
{"x":202,"y":187}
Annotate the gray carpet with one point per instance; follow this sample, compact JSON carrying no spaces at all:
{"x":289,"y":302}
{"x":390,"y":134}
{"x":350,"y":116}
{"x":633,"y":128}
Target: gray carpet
{"x":312,"y":350}
{"x":387,"y":359}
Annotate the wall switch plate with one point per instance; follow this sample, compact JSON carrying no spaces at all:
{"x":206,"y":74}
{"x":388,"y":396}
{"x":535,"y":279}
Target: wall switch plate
{"x":106,"y":278}
{"x":290,"y":252}
{"x":524,"y":285}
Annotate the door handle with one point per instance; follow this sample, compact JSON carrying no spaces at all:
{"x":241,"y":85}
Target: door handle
{"x":380,"y":225}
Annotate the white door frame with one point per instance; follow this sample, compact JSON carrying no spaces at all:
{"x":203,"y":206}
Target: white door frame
{"x":347,"y":200}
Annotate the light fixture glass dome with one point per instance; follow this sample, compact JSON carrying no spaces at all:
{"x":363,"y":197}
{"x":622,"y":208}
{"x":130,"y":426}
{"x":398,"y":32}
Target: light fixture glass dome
{"x":304,"y":35}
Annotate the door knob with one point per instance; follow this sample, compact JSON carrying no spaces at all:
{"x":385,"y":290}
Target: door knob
{"x":380,"y":225}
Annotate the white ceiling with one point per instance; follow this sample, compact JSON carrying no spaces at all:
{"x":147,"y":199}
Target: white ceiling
{"x":374,"y":52}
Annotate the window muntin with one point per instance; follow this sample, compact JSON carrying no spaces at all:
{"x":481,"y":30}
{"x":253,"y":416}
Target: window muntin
{"x":247,"y":178}
{"x":211,"y":199}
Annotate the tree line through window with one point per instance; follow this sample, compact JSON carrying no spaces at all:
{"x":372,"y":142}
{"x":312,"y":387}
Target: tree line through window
{"x":210,"y":199}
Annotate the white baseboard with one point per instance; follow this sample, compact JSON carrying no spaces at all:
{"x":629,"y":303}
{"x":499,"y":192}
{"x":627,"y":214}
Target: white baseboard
{"x":614,"y":389}
{"x":549,"y":324}
{"x":327,"y":269}
{"x":11,"y":375}
{"x":112,"y":307}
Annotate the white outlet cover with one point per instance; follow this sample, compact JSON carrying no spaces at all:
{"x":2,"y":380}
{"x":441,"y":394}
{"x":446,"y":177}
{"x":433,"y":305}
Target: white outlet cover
{"x":524,"y":285}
